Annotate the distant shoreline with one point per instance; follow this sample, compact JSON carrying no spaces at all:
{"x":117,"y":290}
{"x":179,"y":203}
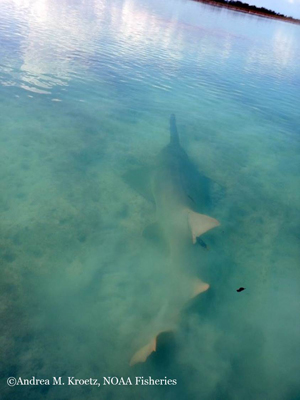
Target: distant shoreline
{"x":245,"y":8}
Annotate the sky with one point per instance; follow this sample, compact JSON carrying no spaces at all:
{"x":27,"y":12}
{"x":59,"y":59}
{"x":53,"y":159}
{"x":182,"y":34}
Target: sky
{"x":286,"y":7}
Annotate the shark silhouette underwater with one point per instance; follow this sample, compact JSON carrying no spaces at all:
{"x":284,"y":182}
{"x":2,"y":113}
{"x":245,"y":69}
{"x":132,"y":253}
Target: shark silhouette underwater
{"x":180,"y":195}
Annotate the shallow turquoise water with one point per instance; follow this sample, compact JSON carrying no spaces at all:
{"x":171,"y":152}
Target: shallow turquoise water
{"x":86,"y":91}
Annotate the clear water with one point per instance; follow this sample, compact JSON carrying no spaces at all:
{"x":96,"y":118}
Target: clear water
{"x":86,"y":91}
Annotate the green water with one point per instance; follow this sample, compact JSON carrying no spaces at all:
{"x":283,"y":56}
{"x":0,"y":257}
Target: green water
{"x":86,"y":92}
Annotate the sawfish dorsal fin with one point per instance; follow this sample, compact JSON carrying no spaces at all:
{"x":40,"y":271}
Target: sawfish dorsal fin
{"x":200,"y":223}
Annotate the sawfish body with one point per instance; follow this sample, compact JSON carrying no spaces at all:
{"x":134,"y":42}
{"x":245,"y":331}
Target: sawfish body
{"x":180,"y":194}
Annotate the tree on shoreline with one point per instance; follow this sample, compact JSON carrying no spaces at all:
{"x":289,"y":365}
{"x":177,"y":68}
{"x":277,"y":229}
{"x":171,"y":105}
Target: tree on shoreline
{"x":250,"y":8}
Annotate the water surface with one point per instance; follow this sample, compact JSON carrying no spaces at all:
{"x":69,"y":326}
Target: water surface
{"x":86,"y":91}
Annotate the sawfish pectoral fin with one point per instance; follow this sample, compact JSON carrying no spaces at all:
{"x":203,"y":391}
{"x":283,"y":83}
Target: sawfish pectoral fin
{"x":200,"y":223}
{"x":142,"y":354}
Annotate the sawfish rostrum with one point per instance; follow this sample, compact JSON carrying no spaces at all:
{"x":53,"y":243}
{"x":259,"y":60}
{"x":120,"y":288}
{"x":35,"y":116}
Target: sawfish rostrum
{"x":181,"y":197}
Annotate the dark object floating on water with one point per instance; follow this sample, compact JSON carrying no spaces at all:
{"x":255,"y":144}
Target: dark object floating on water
{"x":200,"y":241}
{"x":240,"y":289}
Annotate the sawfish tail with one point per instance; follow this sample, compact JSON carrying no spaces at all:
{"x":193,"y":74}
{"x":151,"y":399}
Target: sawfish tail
{"x":174,"y":139}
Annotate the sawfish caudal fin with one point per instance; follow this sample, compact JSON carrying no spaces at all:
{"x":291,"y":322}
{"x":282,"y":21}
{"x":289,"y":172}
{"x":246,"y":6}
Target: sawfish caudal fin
{"x":142,"y":354}
{"x":174,"y":139}
{"x":200,"y":223}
